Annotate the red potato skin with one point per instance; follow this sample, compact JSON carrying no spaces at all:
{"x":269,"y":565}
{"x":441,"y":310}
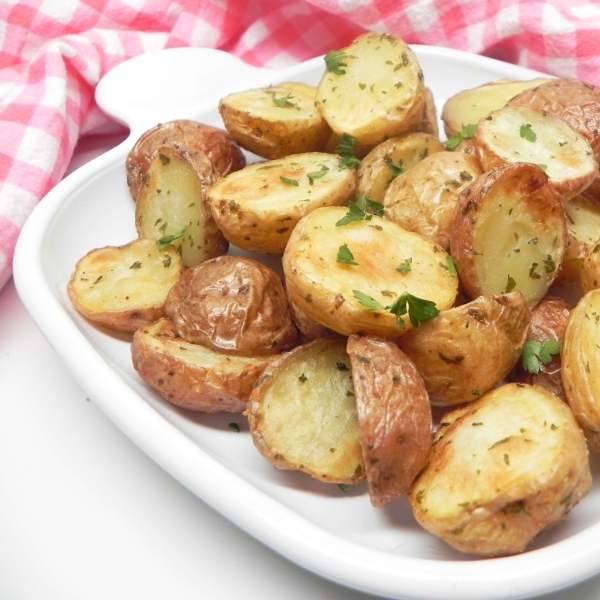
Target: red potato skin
{"x":394,"y":416}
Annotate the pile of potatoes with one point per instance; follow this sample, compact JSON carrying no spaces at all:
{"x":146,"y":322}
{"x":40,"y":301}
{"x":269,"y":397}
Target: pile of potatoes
{"x":362,"y":274}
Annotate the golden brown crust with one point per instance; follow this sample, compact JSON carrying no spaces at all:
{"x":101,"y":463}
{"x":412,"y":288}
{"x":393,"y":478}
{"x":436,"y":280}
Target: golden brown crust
{"x":394,"y":416}
{"x":232,"y":304}
{"x":589,"y":275}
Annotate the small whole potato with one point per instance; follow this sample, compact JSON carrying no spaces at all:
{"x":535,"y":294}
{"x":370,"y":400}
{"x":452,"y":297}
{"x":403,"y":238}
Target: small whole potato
{"x":232,"y":304}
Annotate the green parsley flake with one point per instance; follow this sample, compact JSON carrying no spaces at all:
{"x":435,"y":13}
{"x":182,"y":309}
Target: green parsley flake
{"x":334,"y":61}
{"x":317,"y":174}
{"x":405,"y":267}
{"x":418,"y":309}
{"x":289,"y":181}
{"x":164,"y":241}
{"x":361,"y":210}
{"x":346,"y":150}
{"x":345,"y":256}
{"x":283,"y":101}
{"x":535,"y":353}
{"x":451,"y":266}
{"x":466,"y":133}
{"x":526,"y":132}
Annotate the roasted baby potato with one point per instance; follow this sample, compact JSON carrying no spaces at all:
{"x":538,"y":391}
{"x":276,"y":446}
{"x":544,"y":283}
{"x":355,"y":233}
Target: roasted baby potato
{"x":583,"y":231}
{"x":520,"y":134}
{"x":124,"y":287}
{"x":469,"y":349}
{"x":379,"y":168}
{"x":302,"y":413}
{"x":372,"y":89}
{"x":548,"y":322}
{"x":192,"y":376}
{"x":509,"y":233}
{"x":359,"y":275}
{"x":394,"y":416}
{"x":581,"y":365}
{"x":199,"y":142}
{"x":275,"y":121}
{"x":258,"y":207}
{"x":309,"y":329}
{"x":423,"y":199}
{"x":232,"y":304}
{"x":575,"y":101}
{"x":589,"y":276}
{"x":172,"y":206}
{"x":429,"y":117}
{"x":502,"y":469}
{"x":469,"y":106}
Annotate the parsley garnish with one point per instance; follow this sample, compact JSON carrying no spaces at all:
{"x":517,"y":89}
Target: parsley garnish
{"x":317,"y":174}
{"x":405,"y":267}
{"x":357,"y":211}
{"x":345,"y":256}
{"x":451,"y":266}
{"x":395,"y":169}
{"x":234,"y":427}
{"x":526,"y":132}
{"x":419,"y":310}
{"x":346,"y":150}
{"x":283,"y":101}
{"x":289,"y":181}
{"x":510,"y":285}
{"x":164,"y":241}
{"x":466,"y":133}
{"x":535,"y":353}
{"x":334,"y":61}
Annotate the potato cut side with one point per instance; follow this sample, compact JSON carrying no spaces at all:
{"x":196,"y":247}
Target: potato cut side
{"x":520,"y":134}
{"x":372,"y":89}
{"x":501,"y":470}
{"x":424,"y":198}
{"x":275,"y":121}
{"x":389,"y":159}
{"x":583,"y":231}
{"x":124,"y":287}
{"x":509,"y":233}
{"x":349,"y":276}
{"x":589,"y":276}
{"x":470,"y":349}
{"x":302,"y":413}
{"x":580,"y":356}
{"x":469,"y":106}
{"x":192,"y":376}
{"x":394,"y":416}
{"x":258,"y":207}
{"x":172,"y":205}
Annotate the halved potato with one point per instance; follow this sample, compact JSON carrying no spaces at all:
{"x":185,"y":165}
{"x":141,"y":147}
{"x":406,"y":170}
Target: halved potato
{"x":469,"y":349}
{"x":520,"y":134}
{"x":199,"y":141}
{"x":424,"y":198}
{"x":468,"y":106}
{"x":193,"y":376}
{"x":509,"y":233}
{"x":124,"y":287}
{"x":354,"y":277}
{"x":275,"y":121}
{"x":548,"y":322}
{"x":234,"y":305}
{"x":172,"y":205}
{"x":581,"y":365}
{"x":258,"y":207}
{"x":502,"y":469}
{"x":394,"y":416}
{"x":429,"y":117}
{"x":589,"y":276}
{"x":379,"y":168}
{"x":302,"y":413}
{"x":372,"y":89}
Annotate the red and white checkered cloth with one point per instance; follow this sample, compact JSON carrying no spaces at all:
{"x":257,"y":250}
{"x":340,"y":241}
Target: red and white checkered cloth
{"x":53,"y":52}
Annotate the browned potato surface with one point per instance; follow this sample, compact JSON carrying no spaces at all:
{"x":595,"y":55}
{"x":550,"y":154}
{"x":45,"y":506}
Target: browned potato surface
{"x":379,"y":168}
{"x":257,"y":207}
{"x":275,"y":121}
{"x":232,"y":304}
{"x":468,"y":350}
{"x":509,"y":233}
{"x":467,"y":107}
{"x":501,"y":470}
{"x":581,"y":365}
{"x":302,"y":413}
{"x":590,"y":270}
{"x":521,"y":134}
{"x":394,"y":416}
{"x":124,"y":287}
{"x":200,"y":142}
{"x":423,"y":199}
{"x":357,"y":295}
{"x":372,"y":89}
{"x":172,"y":205}
{"x":309,"y":329}
{"x":192,"y":376}
{"x":429,"y":117}
{"x":548,"y":322}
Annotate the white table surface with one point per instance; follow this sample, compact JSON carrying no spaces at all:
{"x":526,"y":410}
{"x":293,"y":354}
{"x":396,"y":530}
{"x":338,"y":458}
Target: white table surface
{"x":86,"y":515}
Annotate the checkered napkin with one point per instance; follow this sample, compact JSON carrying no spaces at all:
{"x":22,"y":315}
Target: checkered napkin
{"x":53,"y":52}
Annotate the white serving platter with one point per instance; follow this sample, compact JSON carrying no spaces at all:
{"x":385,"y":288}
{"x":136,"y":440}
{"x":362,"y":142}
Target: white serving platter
{"x":334,"y":534}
